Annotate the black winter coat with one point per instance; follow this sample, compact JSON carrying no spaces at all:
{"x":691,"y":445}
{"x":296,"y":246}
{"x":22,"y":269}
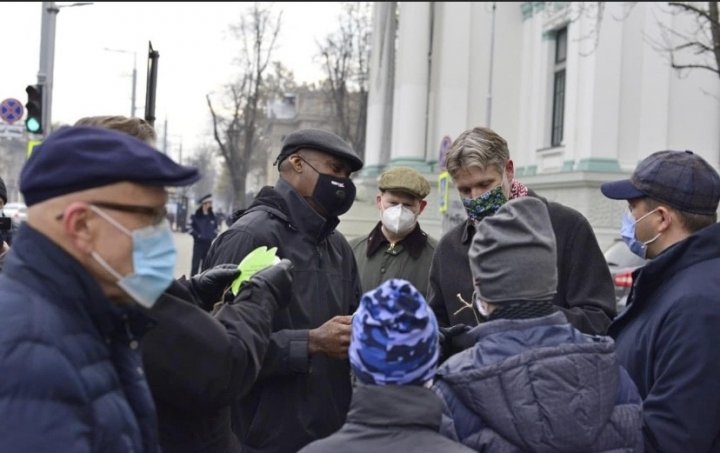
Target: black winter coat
{"x":585,"y":290}
{"x":198,"y":364}
{"x":297,"y":398}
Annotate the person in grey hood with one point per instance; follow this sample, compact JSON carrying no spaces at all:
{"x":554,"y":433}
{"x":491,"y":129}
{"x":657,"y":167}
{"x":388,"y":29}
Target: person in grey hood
{"x":532,"y":382}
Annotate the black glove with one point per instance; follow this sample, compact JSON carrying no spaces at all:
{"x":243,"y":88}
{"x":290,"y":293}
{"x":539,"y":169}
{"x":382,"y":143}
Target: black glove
{"x":209,"y":286}
{"x":278,"y":279}
{"x":453,"y":340}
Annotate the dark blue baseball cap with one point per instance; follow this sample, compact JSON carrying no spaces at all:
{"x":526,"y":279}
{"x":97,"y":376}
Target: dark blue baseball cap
{"x":682,"y":179}
{"x":78,"y":158}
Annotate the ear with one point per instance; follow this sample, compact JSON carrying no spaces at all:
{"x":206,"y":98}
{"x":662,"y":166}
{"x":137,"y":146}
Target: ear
{"x":510,"y":170}
{"x":666,"y":218}
{"x":75,"y":224}
{"x":378,"y":201}
{"x":296,"y":163}
{"x":423,"y":203}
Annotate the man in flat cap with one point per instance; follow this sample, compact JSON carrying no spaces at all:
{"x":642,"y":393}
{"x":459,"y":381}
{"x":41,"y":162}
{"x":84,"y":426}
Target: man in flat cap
{"x":303,"y":391}
{"x":203,"y":229}
{"x":397,"y":247}
{"x":668,"y":336}
{"x":197,"y":363}
{"x":95,"y":247}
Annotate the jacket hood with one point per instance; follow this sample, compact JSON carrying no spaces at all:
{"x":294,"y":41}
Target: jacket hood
{"x":558,"y":396}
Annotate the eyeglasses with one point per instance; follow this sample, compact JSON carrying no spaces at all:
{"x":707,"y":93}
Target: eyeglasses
{"x":156,"y":215}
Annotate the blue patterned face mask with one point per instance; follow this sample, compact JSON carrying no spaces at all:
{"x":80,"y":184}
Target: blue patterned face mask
{"x":486,"y":204}
{"x":153,"y":261}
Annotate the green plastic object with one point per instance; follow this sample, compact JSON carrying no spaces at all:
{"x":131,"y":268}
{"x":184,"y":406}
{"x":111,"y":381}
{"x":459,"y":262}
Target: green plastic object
{"x":254,"y":262}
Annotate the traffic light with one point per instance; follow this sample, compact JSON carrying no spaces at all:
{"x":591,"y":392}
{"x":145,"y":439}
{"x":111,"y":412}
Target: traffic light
{"x":33,"y":121}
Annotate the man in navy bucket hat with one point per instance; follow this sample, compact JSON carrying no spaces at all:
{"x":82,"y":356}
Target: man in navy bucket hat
{"x":667,"y":337}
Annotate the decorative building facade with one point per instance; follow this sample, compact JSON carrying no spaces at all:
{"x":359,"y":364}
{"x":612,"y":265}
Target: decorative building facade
{"x":581,"y":91}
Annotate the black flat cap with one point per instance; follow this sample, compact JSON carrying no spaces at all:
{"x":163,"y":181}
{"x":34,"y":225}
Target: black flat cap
{"x":319,"y":140}
{"x":80,"y":158}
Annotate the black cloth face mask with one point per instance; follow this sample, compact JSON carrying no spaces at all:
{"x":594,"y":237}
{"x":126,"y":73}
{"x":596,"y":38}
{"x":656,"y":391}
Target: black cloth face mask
{"x":334,"y":194}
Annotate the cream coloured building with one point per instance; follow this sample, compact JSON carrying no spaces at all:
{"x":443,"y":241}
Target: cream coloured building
{"x":580,"y":95}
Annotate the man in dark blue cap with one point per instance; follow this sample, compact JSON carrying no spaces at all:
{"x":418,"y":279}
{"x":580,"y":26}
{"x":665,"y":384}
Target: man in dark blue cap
{"x":667,"y":337}
{"x":303,"y":391}
{"x":94,"y":255}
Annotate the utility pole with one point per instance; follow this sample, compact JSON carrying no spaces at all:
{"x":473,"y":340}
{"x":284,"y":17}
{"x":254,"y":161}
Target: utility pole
{"x":47,"y":57}
{"x":488,"y":112}
{"x":47,"y":60}
{"x":153,"y":56}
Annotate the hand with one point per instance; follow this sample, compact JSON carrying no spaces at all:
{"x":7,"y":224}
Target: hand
{"x":453,"y":340}
{"x":331,"y":338}
{"x":210,"y":285}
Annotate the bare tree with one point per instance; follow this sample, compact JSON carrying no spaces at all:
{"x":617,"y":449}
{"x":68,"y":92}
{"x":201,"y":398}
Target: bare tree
{"x":345,"y":55}
{"x":699,"y":46}
{"x":237,"y":136}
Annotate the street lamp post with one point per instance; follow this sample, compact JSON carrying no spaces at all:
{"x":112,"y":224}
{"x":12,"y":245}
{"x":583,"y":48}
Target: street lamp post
{"x":47,"y":56}
{"x":134,"y":77}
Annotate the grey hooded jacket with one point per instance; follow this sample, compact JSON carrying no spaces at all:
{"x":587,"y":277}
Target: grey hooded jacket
{"x":539,"y":385}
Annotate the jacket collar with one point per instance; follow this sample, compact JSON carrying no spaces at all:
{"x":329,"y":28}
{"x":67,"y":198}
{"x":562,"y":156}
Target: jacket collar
{"x":302,"y":215}
{"x":395,"y":405}
{"x":40,"y":264}
{"x":700,"y":246}
{"x":413,"y":242}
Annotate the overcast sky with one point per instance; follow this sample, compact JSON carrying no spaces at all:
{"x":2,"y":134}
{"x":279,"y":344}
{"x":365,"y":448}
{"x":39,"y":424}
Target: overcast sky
{"x":196,"y":56}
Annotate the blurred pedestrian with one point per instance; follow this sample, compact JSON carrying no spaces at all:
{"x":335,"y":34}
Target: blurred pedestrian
{"x":303,"y":391}
{"x":94,"y":247}
{"x":666,"y":338}
{"x":532,"y":382}
{"x":203,"y":229}
{"x":397,"y":247}
{"x":393,"y":355}
{"x":5,"y":225}
{"x":479,"y":164}
{"x":197,"y":364}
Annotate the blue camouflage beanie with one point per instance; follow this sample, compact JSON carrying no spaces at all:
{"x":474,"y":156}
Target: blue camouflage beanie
{"x":394,"y":336}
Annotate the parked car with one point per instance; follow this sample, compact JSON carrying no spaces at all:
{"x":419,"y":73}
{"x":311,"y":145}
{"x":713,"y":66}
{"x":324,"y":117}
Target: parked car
{"x":622,"y":262}
{"x":16,"y":211}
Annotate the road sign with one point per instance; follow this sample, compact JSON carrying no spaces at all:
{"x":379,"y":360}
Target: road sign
{"x":11,"y":110}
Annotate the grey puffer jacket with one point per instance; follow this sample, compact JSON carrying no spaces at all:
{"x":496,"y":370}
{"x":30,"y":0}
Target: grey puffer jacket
{"x":539,"y":385}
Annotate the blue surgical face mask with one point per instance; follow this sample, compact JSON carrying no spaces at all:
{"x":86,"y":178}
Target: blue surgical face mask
{"x":627,"y":232}
{"x":153,"y":261}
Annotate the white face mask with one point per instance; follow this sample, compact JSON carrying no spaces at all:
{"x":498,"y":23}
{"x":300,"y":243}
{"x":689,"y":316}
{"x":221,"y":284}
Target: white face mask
{"x":398,"y":219}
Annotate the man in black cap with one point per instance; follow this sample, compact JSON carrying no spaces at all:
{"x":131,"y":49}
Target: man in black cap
{"x":203,"y":229}
{"x":667,"y":337}
{"x":303,"y":391}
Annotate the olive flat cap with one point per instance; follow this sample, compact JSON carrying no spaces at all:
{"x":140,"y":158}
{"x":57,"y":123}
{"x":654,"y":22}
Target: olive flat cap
{"x":319,"y":140}
{"x":404,"y":179}
{"x":78,"y":158}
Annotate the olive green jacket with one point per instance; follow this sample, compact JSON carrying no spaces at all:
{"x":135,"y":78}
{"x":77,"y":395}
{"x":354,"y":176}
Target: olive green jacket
{"x":409,"y":259}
